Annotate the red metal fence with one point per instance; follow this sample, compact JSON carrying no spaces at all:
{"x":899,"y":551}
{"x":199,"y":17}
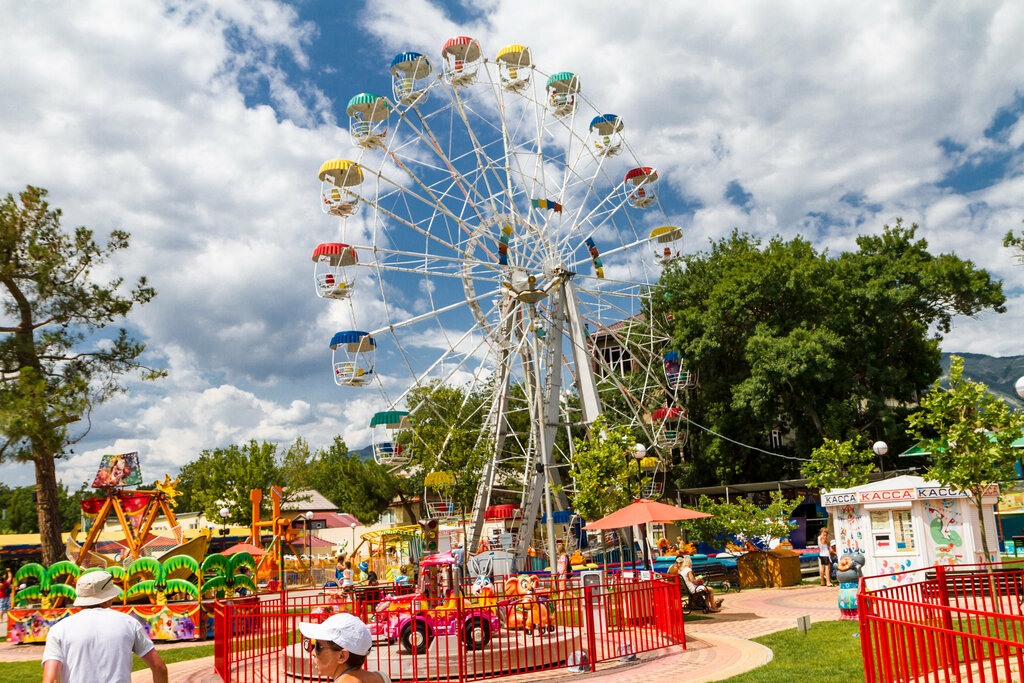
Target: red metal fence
{"x":963,"y":623}
{"x":461,"y":639}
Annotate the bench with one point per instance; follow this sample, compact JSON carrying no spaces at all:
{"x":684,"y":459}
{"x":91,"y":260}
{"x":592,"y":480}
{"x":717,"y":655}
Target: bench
{"x":717,"y":574}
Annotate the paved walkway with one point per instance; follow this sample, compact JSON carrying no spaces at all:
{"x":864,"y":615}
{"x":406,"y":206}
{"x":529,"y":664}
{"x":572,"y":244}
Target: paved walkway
{"x":717,"y":648}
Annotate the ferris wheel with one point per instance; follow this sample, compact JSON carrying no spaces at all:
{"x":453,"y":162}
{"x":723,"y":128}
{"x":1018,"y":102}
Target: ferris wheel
{"x":498,"y":233}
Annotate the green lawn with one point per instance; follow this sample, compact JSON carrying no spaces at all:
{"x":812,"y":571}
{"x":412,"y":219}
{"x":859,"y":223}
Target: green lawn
{"x":32,"y":672}
{"x":828,"y":652}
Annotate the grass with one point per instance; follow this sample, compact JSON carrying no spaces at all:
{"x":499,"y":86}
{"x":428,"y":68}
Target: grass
{"x":828,"y":652}
{"x":32,"y":671}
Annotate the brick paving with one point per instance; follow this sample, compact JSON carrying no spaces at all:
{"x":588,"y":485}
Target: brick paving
{"x":717,"y":648}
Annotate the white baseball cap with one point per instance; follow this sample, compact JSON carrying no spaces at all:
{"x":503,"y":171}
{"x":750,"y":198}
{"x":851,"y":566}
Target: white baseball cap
{"x":95,"y":588}
{"x":345,"y":630}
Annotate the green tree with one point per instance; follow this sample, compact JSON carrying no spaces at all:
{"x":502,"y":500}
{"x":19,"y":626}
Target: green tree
{"x":782,"y":336}
{"x":603,"y":470}
{"x":19,"y":506}
{"x":359,"y":487}
{"x":743,"y":519}
{"x":970,"y":433}
{"x":447,"y":436}
{"x":225,"y":476}
{"x":56,"y":363}
{"x":1015,"y":241}
{"x":838,"y":465}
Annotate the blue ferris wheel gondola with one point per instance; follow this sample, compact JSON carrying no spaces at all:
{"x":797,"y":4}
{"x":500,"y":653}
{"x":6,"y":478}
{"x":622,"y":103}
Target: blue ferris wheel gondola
{"x":353,"y":355}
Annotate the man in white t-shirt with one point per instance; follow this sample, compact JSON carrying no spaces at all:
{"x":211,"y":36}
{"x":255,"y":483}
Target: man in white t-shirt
{"x":97,"y":643}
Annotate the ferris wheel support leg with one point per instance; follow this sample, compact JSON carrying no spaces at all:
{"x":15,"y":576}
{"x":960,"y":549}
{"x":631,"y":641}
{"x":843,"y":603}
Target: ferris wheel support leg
{"x":585,"y":382}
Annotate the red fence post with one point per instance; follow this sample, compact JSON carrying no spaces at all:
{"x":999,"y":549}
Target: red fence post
{"x":865,"y":635}
{"x":588,"y":625}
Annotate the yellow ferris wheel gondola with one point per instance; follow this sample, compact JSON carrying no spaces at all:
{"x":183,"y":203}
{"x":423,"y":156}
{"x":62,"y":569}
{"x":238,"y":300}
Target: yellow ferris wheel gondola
{"x":337,"y":177}
{"x":438,"y":488}
{"x":667,"y":242}
{"x":514,"y":64}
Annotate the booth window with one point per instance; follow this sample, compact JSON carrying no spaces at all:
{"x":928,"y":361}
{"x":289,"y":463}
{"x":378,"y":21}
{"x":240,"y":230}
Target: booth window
{"x":892,"y":531}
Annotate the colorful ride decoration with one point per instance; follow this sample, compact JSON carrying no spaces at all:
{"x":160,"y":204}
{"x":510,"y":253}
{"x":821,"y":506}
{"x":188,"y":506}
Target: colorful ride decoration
{"x":391,"y":434}
{"x":483,"y":590}
{"x":562,"y":89}
{"x":160,"y":583}
{"x":653,"y":472}
{"x":135,"y":511}
{"x":676,"y":375}
{"x":528,"y":610}
{"x":595,"y":257}
{"x":667,"y":242}
{"x":438,"y":488}
{"x":669,"y":426}
{"x":332,"y":276}
{"x":368,"y":119}
{"x":229,"y":576}
{"x":461,"y":58}
{"x":49,"y":590}
{"x":352,"y":357}
{"x":173,"y":622}
{"x":640,"y":187}
{"x":337,"y":178}
{"x":514,"y":66}
{"x":606,"y":130}
{"x":410,"y":77}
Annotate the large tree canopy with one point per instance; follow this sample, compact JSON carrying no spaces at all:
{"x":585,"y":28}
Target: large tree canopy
{"x":56,"y":362}
{"x":785,"y":337}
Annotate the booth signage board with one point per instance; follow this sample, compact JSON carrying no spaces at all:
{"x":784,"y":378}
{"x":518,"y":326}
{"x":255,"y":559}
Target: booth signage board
{"x":909,"y":524}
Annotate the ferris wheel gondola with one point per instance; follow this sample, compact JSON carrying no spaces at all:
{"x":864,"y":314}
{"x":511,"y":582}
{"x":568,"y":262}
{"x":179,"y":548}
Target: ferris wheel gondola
{"x":353,"y":355}
{"x":368,"y":119}
{"x":337,"y":178}
{"x":607,"y":132}
{"x":670,"y":427}
{"x":641,"y":185}
{"x":514,"y":62}
{"x":654,"y":473}
{"x":563,"y":87}
{"x":677,"y":376}
{"x":411,"y":74}
{"x":667,"y":242}
{"x":391,"y":438}
{"x":461,"y":58}
{"x":331,"y":275}
{"x":437,"y":494}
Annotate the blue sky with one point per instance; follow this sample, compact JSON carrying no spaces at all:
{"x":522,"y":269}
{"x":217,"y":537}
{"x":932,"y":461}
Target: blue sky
{"x":199,"y":127}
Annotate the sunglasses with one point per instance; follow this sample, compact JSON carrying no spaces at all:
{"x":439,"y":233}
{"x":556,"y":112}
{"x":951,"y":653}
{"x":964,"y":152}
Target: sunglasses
{"x":313,"y":645}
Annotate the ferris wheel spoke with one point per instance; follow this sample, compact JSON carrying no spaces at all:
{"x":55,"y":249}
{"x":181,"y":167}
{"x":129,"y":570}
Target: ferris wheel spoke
{"x":435,"y":313}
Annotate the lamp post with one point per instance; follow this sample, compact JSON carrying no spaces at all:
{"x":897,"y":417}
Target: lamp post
{"x":309,"y":539}
{"x":224,"y":512}
{"x":353,"y":548}
{"x":881,"y":448}
{"x":639,"y":452}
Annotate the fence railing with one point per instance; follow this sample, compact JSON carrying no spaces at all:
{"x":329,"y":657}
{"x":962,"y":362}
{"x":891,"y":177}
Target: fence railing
{"x":963,"y":623}
{"x":463,"y":639}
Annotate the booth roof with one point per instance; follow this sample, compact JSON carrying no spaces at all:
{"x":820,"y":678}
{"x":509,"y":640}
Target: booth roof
{"x":905,"y":481}
{"x":781,"y":485}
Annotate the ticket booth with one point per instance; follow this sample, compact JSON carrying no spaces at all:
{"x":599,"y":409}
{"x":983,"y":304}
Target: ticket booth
{"x":908,"y":523}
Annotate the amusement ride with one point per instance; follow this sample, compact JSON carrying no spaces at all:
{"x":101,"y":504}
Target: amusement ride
{"x":495,"y":222}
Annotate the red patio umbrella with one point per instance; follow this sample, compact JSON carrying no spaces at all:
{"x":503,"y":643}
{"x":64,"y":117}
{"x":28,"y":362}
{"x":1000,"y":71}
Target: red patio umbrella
{"x":253,"y":550}
{"x":643,"y":511}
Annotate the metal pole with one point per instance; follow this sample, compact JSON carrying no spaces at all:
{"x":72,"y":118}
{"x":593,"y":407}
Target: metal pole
{"x":551,"y":521}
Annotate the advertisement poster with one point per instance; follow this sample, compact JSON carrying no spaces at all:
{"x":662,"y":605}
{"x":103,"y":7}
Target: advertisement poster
{"x":945,"y":529}
{"x":117,"y":471}
{"x":851,"y":538}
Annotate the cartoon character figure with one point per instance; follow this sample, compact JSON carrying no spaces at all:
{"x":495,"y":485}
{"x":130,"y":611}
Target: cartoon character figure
{"x":483,"y":591}
{"x":848,"y":571}
{"x":528,"y":611}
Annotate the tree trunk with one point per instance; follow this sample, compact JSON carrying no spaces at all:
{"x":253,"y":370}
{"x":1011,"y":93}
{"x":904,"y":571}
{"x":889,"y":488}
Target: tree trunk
{"x":47,"y":508}
{"x":981,"y":521}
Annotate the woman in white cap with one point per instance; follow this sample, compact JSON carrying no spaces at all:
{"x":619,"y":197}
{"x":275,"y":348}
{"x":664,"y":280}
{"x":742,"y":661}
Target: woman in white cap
{"x":340,"y":645}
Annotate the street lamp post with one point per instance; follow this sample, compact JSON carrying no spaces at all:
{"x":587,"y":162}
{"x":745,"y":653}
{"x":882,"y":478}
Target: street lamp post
{"x":881,"y":448}
{"x":353,"y":548}
{"x":309,"y":541}
{"x":224,"y":512}
{"x":639,"y":452}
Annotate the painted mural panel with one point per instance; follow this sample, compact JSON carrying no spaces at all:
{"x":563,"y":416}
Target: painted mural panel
{"x":850,"y":536}
{"x":945,"y":530}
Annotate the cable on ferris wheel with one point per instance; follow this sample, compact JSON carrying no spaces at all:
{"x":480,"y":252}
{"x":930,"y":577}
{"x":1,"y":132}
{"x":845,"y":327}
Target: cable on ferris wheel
{"x":514,"y":64}
{"x":437,"y":494}
{"x":368,"y":119}
{"x":563,"y":87}
{"x":336,"y":177}
{"x":641,"y":185}
{"x":331,"y":276}
{"x":352,"y":356}
{"x":670,"y":427}
{"x":461,"y":58}
{"x":607,"y":132}
{"x":391,"y":438}
{"x":667,"y":242}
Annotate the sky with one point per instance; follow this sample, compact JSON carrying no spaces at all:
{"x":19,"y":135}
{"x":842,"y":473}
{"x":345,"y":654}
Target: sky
{"x":199,"y":128}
